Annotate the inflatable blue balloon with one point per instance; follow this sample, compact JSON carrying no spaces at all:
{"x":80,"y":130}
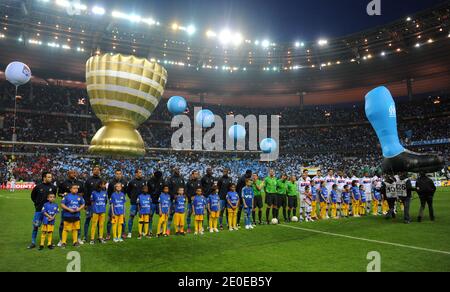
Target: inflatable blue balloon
{"x":237,"y":132}
{"x":205,"y":118}
{"x":268,"y":145}
{"x":177,"y":105}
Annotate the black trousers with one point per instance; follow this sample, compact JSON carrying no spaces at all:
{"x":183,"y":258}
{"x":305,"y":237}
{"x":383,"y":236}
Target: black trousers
{"x":424,"y":200}
{"x":391,"y":203}
{"x":406,"y":204}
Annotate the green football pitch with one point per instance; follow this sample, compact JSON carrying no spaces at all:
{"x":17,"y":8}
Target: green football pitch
{"x":332,"y":245}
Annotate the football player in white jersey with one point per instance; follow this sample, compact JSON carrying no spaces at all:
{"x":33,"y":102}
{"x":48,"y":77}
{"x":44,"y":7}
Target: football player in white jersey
{"x":354,"y":178}
{"x":390,"y":183}
{"x":340,"y":181}
{"x":330,"y":180}
{"x":12,"y":185}
{"x":348,"y":182}
{"x":366,"y":181}
{"x":317,"y":181}
{"x":404,"y":189}
{"x":302,"y":183}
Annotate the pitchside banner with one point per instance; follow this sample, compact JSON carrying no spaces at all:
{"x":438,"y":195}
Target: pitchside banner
{"x":445,"y":183}
{"x":438,"y":183}
{"x":20,"y":185}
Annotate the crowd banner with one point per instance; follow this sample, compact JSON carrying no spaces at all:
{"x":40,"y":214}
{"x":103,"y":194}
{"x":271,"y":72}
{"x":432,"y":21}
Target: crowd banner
{"x":431,"y":142}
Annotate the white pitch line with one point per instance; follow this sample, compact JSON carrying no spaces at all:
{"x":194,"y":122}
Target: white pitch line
{"x":368,"y":240}
{"x":14,"y":198}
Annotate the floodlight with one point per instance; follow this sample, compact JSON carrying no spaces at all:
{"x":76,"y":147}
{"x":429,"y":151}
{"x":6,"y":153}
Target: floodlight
{"x":98,"y":10}
{"x":63,"y":3}
{"x":134,"y":18}
{"x":149,"y":21}
{"x":118,"y":14}
{"x":322,"y":42}
{"x":191,"y":29}
{"x":225,"y":36}
{"x":237,"y":39}
{"x":211,"y":34}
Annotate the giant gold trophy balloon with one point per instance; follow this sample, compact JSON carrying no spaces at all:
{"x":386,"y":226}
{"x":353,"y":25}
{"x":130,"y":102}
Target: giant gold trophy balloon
{"x":123,"y":92}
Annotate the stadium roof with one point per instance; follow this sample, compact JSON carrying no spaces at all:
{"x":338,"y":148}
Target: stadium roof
{"x":251,"y":72}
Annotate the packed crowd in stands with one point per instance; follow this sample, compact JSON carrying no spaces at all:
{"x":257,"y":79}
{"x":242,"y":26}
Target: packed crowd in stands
{"x":59,"y":161}
{"x":75,"y":101}
{"x":324,"y":136}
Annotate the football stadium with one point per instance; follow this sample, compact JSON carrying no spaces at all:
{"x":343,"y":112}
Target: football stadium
{"x":174,"y":136}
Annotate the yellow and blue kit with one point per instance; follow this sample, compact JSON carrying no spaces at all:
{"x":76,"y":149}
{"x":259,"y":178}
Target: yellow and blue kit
{"x":214,"y":206}
{"x":164,"y":206}
{"x":323,"y":198}
{"x":313,"y":202}
{"x":199,"y":204}
{"x":180,"y":210}
{"x":232,"y":203}
{"x":117,"y":202}
{"x":71,"y":220}
{"x":363,"y":202}
{"x":355,"y":200}
{"x":345,"y":203}
{"x":334,"y":200}
{"x":48,"y":226}
{"x":144,"y":202}
{"x":376,"y":201}
{"x":99,"y":200}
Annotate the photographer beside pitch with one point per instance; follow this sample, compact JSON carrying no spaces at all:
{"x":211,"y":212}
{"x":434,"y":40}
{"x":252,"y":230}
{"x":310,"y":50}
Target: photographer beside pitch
{"x":425,"y":188}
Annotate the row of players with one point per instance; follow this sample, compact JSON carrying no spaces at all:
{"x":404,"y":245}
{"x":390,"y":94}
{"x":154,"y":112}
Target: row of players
{"x":279,"y":193}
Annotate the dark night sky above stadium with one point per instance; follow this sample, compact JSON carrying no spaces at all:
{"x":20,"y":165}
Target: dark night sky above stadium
{"x":277,"y":20}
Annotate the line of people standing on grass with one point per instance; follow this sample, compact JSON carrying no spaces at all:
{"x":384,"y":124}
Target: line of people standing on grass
{"x":177,"y":201}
